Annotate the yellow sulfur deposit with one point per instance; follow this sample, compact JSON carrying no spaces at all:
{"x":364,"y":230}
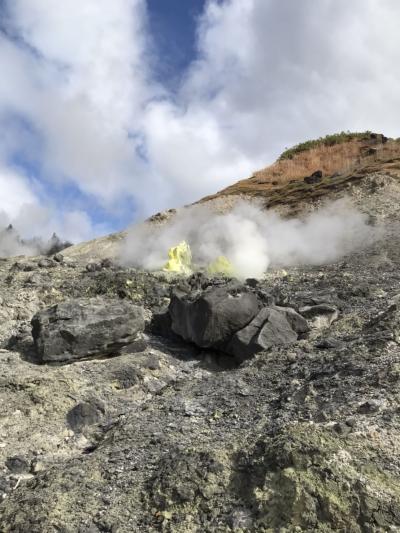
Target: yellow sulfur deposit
{"x":179,"y":259}
{"x":221,"y":266}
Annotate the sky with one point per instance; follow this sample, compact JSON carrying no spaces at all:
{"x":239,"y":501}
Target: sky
{"x":112,"y":111}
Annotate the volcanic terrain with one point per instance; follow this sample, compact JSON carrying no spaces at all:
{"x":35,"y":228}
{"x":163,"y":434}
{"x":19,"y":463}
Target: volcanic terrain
{"x":134,"y":401}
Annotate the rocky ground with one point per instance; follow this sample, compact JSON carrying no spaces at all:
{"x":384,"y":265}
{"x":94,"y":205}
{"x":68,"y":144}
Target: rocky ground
{"x":164,"y":435}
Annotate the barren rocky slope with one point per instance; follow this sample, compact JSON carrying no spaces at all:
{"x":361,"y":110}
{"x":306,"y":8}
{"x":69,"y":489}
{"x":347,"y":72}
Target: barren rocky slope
{"x":156,"y":434}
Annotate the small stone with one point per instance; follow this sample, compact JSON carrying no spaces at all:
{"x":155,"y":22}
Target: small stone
{"x":152,"y":362}
{"x":154,"y":386}
{"x":106,"y":263}
{"x":328,"y":344}
{"x":34,"y":279}
{"x":59,"y":258}
{"x":252,"y":282}
{"x":85,"y":414}
{"x":240,"y":520}
{"x":37,"y":466}
{"x":17,"y":464}
{"x":47,"y":263}
{"x":27,"y":267}
{"x":127,"y":377}
{"x":342,"y":428}
{"x":370,"y":406}
{"x":321,"y":315}
{"x":93,"y":267}
{"x":137,"y":346}
{"x":70,"y":263}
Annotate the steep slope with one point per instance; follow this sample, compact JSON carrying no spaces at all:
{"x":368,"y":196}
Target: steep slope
{"x":350,"y":154}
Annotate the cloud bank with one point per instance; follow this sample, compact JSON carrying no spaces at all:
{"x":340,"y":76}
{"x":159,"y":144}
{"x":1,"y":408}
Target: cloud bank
{"x":81,"y":102}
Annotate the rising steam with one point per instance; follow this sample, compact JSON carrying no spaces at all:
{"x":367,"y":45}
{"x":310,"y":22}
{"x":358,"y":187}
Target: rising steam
{"x":251,"y":238}
{"x":11,"y":244}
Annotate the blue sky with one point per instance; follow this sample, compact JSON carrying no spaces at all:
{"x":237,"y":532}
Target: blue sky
{"x":173,"y":28}
{"x":112,"y":111}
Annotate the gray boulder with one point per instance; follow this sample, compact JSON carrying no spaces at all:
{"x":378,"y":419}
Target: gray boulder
{"x":80,"y":328}
{"x":273,"y":326}
{"x":209,"y":319}
{"x":229,"y":319}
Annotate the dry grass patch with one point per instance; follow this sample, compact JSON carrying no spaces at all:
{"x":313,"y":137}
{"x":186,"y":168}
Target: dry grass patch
{"x":332,"y":159}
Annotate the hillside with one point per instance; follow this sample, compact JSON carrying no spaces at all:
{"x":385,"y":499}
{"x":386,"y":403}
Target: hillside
{"x":136,"y":401}
{"x":339,"y":162}
{"x":346,"y":165}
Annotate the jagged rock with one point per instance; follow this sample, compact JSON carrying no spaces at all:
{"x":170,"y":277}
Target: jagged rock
{"x":93,"y":267}
{"x":273,"y":326}
{"x":386,"y":325}
{"x":47,"y":263}
{"x":315,"y":177}
{"x":106,"y":263}
{"x":25,"y":267}
{"x":296,"y":321}
{"x":34,"y":279}
{"x":85,"y":414}
{"x":321,"y":315}
{"x":59,"y":258}
{"x":209,"y":319}
{"x":227,"y":318}
{"x":79,"y":328}
{"x":328,"y":344}
{"x":17,"y":464}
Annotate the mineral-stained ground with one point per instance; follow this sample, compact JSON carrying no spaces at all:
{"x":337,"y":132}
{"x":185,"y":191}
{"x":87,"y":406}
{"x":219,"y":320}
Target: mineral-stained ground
{"x":166,"y":436}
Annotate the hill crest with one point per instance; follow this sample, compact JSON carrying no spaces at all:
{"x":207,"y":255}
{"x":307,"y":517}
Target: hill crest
{"x":315,"y":167}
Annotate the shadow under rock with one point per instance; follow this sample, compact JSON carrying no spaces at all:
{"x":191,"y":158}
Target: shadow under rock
{"x":181,"y":350}
{"x":26,"y":349}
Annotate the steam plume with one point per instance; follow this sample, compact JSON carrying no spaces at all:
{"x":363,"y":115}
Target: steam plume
{"x":250,"y":238}
{"x":12,"y":244}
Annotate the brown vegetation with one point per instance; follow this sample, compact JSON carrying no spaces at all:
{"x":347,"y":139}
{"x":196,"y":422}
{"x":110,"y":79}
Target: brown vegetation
{"x":332,"y":160}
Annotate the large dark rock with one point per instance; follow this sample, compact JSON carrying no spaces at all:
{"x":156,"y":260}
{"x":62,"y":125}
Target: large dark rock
{"x":79,"y":328}
{"x":209,"y":319}
{"x":229,"y":318}
{"x":273,"y":326}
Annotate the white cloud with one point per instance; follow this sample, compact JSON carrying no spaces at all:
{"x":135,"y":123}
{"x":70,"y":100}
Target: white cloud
{"x":268,"y":74}
{"x":84,"y":90}
{"x":15,"y":193}
{"x":21,"y":207}
{"x":284,"y":71}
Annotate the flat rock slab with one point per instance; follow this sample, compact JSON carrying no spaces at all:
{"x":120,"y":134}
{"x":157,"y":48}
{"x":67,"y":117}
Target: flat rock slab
{"x":79,"y":328}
